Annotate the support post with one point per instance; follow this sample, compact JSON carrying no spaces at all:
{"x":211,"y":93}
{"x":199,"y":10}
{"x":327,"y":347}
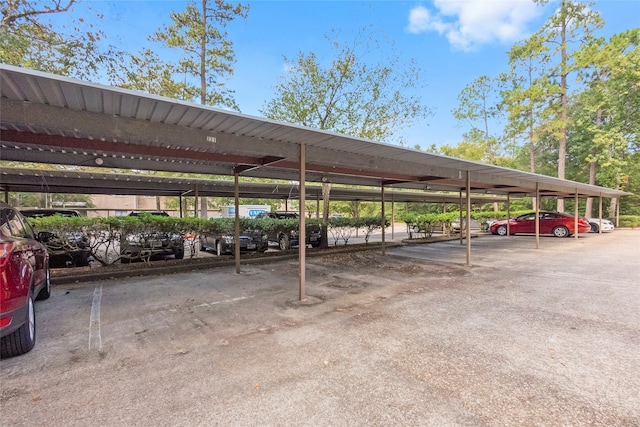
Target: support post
{"x":393,"y":217}
{"x":575,"y":214}
{"x":382,"y":217}
{"x":508,"y":214}
{"x":236,"y":233}
{"x":468,"y":218}
{"x":357,"y":206}
{"x":460,"y":204}
{"x":444,"y":211}
{"x":302,"y":231}
{"x":195,"y":203}
{"x":537,"y":215}
{"x":600,"y":213}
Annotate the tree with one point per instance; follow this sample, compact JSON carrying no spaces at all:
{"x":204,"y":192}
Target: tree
{"x":15,"y":12}
{"x":573,"y":23}
{"x":28,"y":39}
{"x":199,"y":33}
{"x":348,"y":95}
{"x":606,"y":115}
{"x":207,"y":53}
{"x":146,"y":72}
{"x":479,"y":108}
{"x":524,"y":96}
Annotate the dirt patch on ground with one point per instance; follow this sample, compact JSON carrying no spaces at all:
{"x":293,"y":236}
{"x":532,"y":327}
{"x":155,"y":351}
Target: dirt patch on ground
{"x":374,"y":262}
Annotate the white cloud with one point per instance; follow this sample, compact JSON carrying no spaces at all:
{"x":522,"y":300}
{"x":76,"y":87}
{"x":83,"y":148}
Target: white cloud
{"x":470,"y":23}
{"x":421,"y":20}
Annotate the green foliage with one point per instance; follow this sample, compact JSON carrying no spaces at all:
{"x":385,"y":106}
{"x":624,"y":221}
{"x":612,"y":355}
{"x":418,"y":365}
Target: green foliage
{"x":28,"y":39}
{"x":207,"y":52}
{"x":59,"y":224}
{"x":371,"y":224}
{"x":479,"y":110}
{"x":349,"y":95}
{"x":629,"y":221}
{"x":425,"y":224}
{"x":147,"y":72}
{"x":343,"y":228}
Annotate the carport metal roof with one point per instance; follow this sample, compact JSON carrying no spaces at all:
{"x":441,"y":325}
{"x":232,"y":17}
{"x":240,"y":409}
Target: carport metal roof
{"x":47,"y":118}
{"x":79,"y":182}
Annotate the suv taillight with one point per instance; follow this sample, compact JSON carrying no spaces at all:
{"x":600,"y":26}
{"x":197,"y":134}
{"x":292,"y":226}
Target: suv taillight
{"x":5,"y":253}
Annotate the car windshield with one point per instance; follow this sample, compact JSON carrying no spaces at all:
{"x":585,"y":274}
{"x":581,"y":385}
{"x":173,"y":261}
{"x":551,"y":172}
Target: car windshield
{"x":47,"y":213}
{"x":149,"y":213}
{"x":286,"y":215}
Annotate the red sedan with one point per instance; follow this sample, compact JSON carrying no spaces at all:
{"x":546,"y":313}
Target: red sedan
{"x":558,"y":224}
{"x":24,"y":277}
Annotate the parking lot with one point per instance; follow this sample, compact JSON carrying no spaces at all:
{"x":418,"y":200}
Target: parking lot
{"x":521,"y":337}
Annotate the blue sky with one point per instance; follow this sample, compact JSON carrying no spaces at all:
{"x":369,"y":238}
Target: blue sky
{"x":453,"y":41}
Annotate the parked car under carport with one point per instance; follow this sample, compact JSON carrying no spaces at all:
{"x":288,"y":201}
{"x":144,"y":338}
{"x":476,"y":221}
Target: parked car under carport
{"x":555,"y":223}
{"x":597,"y":224}
{"x":72,"y":250}
{"x":250,"y":241}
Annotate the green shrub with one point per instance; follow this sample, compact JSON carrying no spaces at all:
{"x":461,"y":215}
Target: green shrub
{"x":628,"y":221}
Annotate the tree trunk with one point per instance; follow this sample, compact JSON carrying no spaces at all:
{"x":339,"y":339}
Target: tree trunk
{"x":562,"y":142}
{"x":326,"y":191}
{"x":204,"y":208}
{"x":593,"y":165}
{"x":532,"y":143}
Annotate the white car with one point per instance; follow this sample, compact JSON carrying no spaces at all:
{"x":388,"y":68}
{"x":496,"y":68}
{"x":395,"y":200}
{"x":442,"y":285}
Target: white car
{"x":606,"y":225}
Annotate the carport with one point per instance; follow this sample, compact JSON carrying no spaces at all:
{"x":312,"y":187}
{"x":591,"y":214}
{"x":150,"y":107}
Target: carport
{"x":81,"y":182}
{"x":46,"y":118}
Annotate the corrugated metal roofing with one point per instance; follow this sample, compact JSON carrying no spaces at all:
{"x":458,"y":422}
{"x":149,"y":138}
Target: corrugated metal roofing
{"x":52,"y":119}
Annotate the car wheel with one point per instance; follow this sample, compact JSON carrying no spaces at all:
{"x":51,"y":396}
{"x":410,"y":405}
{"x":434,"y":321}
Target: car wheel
{"x":178,"y":253}
{"x":22,"y":340}
{"x":594,"y":227}
{"x":316,"y":244}
{"x":203,"y":247}
{"x":284,"y":242}
{"x":501,"y":230}
{"x":218,"y":248}
{"x":46,"y":291}
{"x":561,"y":231}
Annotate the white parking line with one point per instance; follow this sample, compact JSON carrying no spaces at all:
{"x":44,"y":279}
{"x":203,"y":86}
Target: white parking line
{"x":94,"y":321}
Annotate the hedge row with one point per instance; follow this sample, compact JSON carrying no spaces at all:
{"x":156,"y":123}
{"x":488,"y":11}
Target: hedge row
{"x":103,"y":234}
{"x":629,"y":221}
{"x":425,"y":224}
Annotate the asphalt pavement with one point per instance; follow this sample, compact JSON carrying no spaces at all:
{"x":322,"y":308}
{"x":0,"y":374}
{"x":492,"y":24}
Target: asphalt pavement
{"x":523,"y":336}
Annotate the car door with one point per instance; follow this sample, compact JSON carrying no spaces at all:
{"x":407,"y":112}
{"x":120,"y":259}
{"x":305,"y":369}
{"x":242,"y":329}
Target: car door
{"x":37,"y":251}
{"x":548,"y":221}
{"x":524,"y":224}
{"x":30,"y":255}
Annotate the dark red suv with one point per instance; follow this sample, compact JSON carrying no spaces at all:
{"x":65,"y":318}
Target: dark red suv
{"x":24,"y":277}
